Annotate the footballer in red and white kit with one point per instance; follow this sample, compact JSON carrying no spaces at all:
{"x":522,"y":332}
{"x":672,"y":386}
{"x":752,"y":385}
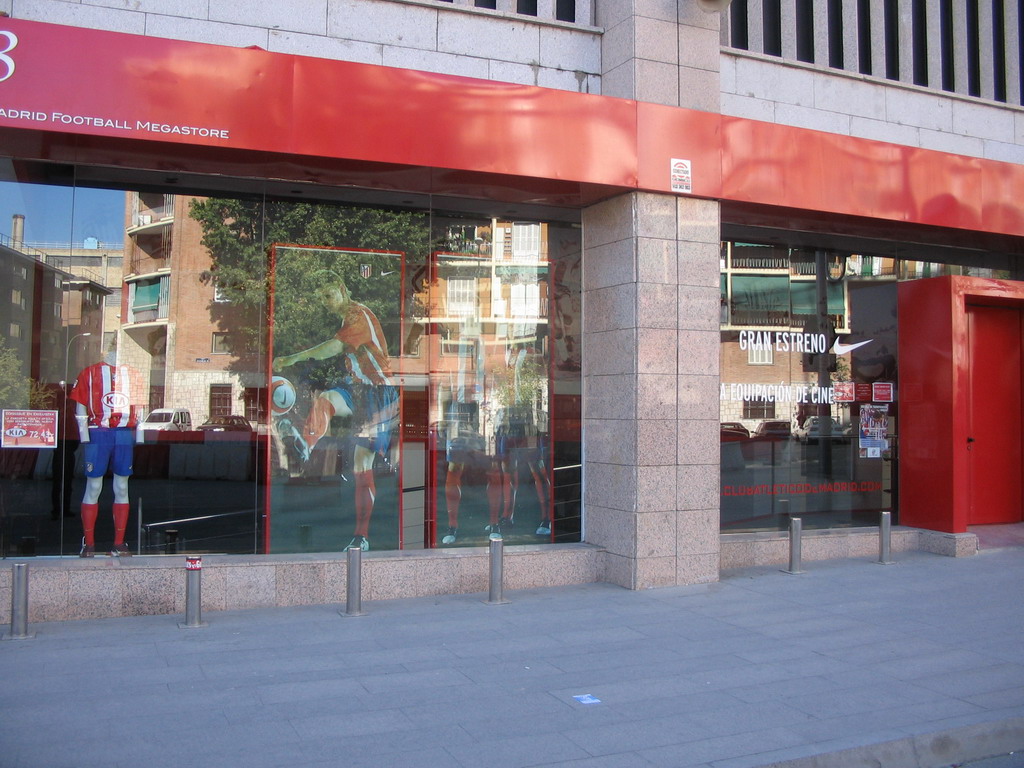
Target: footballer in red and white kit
{"x":361,"y":341}
{"x":109,"y":418}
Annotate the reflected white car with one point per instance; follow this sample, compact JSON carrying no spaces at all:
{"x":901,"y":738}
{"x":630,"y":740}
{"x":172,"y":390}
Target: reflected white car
{"x":168,"y":420}
{"x":812,"y":429}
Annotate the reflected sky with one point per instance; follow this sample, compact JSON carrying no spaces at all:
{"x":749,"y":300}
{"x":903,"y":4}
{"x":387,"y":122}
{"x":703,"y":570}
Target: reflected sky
{"x":60,"y":215}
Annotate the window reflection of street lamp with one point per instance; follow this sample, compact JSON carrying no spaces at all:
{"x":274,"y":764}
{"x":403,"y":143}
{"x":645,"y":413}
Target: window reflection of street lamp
{"x":67,"y":352}
{"x":60,"y":436}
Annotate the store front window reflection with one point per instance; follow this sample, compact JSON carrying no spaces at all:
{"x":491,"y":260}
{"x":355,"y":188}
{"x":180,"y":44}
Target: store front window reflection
{"x":455,"y":405}
{"x":808,"y":394}
{"x":491,"y":389}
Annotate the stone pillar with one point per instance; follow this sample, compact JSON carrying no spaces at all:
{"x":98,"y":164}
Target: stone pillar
{"x":651,"y":324}
{"x":660,"y":51}
{"x":650,"y":408}
{"x":698,"y":489}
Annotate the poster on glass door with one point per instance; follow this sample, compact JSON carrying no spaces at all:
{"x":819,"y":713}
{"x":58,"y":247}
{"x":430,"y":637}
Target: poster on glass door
{"x":874,"y":431}
{"x":335,"y":457}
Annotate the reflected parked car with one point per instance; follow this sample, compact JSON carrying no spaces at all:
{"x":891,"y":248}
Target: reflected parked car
{"x":773,"y":429}
{"x":226,"y":424}
{"x":815,"y":426}
{"x":734,"y":430}
{"x":168,"y":420}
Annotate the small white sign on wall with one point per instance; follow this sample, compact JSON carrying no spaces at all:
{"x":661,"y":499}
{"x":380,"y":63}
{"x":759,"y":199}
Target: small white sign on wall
{"x":681,"y":177}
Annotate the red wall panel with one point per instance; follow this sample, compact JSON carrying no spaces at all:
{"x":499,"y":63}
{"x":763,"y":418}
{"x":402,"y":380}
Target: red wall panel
{"x":928,"y":479}
{"x":934,"y":366}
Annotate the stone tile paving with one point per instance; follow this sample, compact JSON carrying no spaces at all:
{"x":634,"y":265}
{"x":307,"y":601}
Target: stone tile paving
{"x":852,"y":663}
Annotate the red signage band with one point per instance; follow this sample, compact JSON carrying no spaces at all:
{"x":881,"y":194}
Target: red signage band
{"x":472,"y":134}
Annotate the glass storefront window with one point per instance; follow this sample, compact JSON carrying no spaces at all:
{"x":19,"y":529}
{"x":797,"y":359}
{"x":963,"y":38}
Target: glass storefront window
{"x":280,"y":375}
{"x":808,"y":393}
{"x":809,"y":397}
{"x":490,"y":387}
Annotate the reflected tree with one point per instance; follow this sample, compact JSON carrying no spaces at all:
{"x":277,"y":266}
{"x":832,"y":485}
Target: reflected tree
{"x":240,"y":235}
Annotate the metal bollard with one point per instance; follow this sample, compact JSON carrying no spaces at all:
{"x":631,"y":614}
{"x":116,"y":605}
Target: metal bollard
{"x":19,"y":603}
{"x":497,"y":556}
{"x":354,"y":587}
{"x":885,"y":539}
{"x":193,"y":593}
{"x":796,"y":529}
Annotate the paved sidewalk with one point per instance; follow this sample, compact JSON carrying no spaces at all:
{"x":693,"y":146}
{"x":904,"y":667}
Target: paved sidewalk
{"x":852,"y":663}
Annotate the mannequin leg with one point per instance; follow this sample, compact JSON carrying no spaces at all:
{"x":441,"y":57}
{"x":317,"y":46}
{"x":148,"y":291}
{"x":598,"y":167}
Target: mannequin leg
{"x":453,"y":499}
{"x":365,"y":496}
{"x":121,"y":510}
{"x":543,"y":487}
{"x":90,"y":511}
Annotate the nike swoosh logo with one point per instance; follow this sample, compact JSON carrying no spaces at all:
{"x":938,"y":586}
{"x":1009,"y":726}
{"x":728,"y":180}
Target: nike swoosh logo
{"x":838,"y":348}
{"x":385,"y":274}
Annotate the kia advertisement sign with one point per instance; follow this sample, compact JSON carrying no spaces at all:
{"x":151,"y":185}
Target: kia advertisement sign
{"x":29,"y":429}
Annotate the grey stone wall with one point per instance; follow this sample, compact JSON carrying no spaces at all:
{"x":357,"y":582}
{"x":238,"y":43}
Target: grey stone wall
{"x":766,"y":88}
{"x":61,"y":589}
{"x":660,"y":51}
{"x":424,"y":35}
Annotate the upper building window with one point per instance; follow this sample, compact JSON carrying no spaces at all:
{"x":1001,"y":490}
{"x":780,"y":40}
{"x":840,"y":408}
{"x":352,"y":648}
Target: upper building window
{"x":760,"y":355}
{"x":148,"y":299}
{"x":526,"y":242}
{"x":462,"y":296}
{"x":963,"y":46}
{"x":220,"y":343}
{"x":525,"y":300}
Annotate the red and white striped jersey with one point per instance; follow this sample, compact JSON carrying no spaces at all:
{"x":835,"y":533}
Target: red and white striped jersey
{"x":367,"y":348}
{"x":106,"y":392}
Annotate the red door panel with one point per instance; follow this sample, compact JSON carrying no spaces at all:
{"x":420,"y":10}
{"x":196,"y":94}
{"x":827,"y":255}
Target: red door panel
{"x":994,"y":415}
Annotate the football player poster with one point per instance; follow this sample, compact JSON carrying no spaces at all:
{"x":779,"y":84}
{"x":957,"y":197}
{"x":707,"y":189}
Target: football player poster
{"x":334,"y":402}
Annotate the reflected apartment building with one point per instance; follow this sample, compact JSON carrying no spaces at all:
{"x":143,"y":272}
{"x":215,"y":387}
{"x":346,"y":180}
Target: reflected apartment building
{"x":59,"y":294}
{"x":177,"y":323}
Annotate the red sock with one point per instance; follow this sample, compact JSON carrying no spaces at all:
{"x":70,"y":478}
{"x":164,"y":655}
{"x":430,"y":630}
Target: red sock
{"x":542,"y":493}
{"x":89,"y":514}
{"x":120,"y":522}
{"x":366,"y":492}
{"x":453,"y":495}
{"x":495,"y":491}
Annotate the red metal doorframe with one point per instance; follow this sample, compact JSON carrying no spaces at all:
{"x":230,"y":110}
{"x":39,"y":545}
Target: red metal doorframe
{"x":934,"y":366}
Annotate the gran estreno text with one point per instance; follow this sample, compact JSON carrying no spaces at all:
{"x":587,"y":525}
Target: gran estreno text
{"x":784,"y":341}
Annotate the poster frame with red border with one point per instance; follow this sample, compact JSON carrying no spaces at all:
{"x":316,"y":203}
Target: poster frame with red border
{"x":272,"y":301}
